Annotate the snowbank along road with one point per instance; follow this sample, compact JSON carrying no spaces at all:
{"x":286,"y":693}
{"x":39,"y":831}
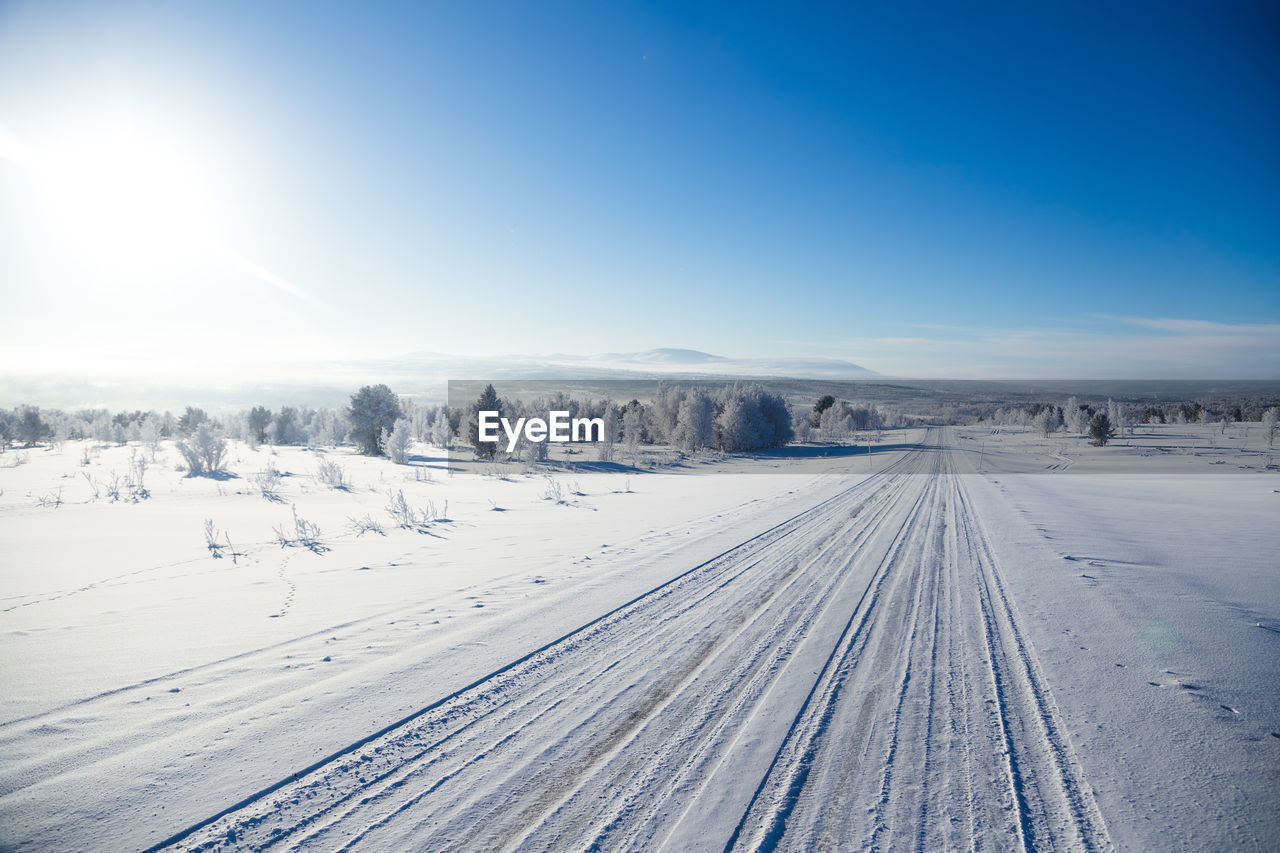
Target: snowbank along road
{"x":855,"y":677}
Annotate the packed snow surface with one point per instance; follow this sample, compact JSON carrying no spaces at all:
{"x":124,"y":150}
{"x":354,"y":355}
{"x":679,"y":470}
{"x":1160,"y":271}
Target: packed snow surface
{"x":966,"y":639}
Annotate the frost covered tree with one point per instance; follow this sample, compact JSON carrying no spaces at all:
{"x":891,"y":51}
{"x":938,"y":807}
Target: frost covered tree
{"x":825,"y":402}
{"x":397,"y":441}
{"x":632,"y":428}
{"x":751,"y":418}
{"x":1047,"y":421}
{"x":1115,"y":413}
{"x":285,"y":429}
{"x":605,"y":447}
{"x":441,"y":433}
{"x":663,"y":413}
{"x":695,"y":422}
{"x":1074,"y":416}
{"x":191,"y":419}
{"x":736,"y":429}
{"x":373,"y":408}
{"x":1100,"y":429}
{"x":29,"y":427}
{"x":149,"y":434}
{"x":1269,"y":420}
{"x":801,"y":425}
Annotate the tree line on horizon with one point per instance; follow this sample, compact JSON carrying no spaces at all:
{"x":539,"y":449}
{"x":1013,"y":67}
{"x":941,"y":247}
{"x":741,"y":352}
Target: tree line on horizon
{"x":738,"y":417}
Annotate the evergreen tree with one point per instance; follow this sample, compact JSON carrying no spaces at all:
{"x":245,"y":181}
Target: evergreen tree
{"x":259,"y":420}
{"x":1100,"y":429}
{"x":487,"y":402}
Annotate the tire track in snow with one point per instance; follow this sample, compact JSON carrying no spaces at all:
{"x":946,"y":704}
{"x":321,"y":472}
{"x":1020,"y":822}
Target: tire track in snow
{"x":718,"y":574}
{"x":924,"y":723}
{"x":858,"y":725}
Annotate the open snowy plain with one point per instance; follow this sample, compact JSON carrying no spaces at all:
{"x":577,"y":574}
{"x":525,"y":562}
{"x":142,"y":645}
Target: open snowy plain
{"x":972,"y":639}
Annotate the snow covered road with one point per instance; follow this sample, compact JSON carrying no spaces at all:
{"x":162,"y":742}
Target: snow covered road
{"x":855,"y":676}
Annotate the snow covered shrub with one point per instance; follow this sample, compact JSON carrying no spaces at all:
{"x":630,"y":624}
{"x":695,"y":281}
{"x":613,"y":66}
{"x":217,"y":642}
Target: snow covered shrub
{"x":554,"y":492}
{"x":205,"y":452}
{"x":135,"y":480}
{"x":361,"y":526}
{"x":211,"y":539}
{"x":333,"y":475}
{"x":409,"y":518}
{"x":396,"y":442}
{"x":1100,"y":429}
{"x":267,"y":481}
{"x":373,"y":409}
{"x":304,"y":534}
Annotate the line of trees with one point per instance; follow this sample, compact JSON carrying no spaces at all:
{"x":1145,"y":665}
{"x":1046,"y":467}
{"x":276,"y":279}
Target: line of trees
{"x":740,"y":417}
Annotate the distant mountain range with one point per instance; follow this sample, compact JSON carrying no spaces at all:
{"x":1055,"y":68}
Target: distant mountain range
{"x":421,"y":375}
{"x":662,"y":362}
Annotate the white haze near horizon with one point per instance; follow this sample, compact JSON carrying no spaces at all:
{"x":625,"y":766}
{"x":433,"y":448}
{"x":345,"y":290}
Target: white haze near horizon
{"x":69,"y":379}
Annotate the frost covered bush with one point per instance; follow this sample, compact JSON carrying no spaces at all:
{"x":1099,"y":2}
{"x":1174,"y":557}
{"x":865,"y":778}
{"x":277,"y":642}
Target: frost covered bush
{"x":411,"y":518}
{"x":267,"y":481}
{"x":305,"y":534}
{"x":373,"y":409}
{"x":204,"y":453}
{"x":333,"y":475}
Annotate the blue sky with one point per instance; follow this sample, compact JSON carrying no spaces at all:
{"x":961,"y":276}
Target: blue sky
{"x":1021,"y":190}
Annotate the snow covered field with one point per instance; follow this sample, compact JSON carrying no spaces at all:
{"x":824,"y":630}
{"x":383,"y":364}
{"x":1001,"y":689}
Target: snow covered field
{"x":1077,"y":648}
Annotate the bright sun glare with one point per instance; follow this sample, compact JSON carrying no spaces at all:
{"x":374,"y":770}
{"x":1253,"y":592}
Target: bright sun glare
{"x":131,"y":200}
